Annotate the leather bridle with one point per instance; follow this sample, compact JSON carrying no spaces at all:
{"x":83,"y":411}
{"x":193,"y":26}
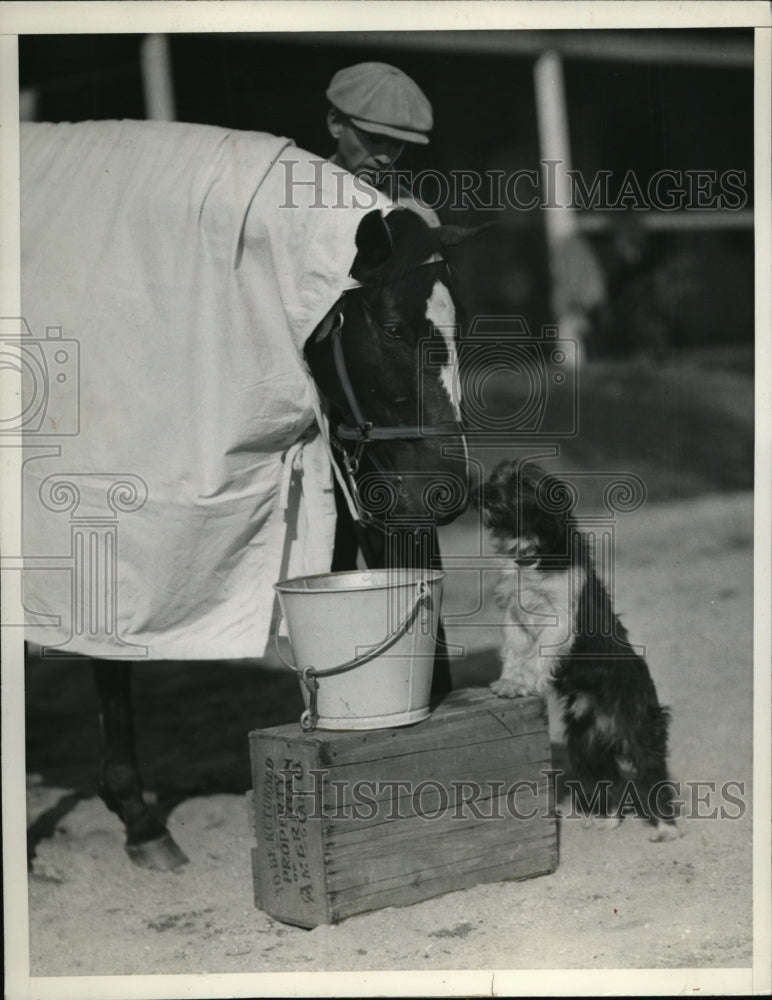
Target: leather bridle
{"x":363,"y":432}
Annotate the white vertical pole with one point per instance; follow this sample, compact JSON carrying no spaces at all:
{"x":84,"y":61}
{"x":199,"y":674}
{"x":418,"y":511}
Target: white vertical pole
{"x":156,"y":63}
{"x":28,"y":104}
{"x":555,"y":146}
{"x":559,"y":217}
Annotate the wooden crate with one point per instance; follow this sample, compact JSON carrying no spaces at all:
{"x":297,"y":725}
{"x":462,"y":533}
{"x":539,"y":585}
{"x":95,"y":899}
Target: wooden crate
{"x":354,"y":821}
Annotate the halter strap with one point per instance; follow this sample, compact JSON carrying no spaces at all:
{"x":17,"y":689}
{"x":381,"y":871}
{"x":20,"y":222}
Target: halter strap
{"x":364,"y":432}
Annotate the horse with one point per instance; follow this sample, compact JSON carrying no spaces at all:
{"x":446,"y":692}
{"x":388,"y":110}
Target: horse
{"x":411,"y":461}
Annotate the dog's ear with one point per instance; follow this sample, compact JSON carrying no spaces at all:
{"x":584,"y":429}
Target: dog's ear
{"x":499,"y":498}
{"x":552,"y":502}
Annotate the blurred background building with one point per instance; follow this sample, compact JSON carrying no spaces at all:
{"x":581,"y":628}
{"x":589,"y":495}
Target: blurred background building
{"x":624,"y":281}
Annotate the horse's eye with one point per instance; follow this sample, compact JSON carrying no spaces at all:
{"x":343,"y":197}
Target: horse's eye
{"x":393,"y":330}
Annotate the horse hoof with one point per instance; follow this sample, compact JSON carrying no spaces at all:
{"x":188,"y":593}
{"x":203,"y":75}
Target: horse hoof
{"x":665,"y":831}
{"x":161,"y":855}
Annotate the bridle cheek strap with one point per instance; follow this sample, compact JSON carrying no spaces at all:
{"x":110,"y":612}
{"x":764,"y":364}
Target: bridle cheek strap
{"x":363,"y":432}
{"x":344,"y":481}
{"x":363,"y":426}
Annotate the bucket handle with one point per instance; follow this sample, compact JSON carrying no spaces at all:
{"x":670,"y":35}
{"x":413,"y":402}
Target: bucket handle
{"x":308,"y":675}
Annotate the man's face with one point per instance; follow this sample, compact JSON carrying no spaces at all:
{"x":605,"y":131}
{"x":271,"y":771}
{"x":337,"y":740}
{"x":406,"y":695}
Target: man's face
{"x":362,"y":152}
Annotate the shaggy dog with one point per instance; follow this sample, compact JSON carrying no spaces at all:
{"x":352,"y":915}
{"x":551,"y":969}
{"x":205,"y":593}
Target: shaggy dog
{"x":561,"y":633}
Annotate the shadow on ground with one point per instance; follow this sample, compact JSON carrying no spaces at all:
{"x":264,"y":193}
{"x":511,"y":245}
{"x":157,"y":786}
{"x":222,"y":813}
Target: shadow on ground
{"x":192,"y":724}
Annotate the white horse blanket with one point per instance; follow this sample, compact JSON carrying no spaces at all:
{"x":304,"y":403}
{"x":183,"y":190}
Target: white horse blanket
{"x":171,"y":274}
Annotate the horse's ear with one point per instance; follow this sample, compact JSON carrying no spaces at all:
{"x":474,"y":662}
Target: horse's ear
{"x":374,"y":245}
{"x":451,"y":236}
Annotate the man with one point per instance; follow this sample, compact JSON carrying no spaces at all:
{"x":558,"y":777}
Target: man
{"x":375,"y":109}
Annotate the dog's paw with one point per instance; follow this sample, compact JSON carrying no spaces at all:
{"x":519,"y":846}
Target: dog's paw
{"x":507,"y":688}
{"x":665,"y":831}
{"x":606,"y":822}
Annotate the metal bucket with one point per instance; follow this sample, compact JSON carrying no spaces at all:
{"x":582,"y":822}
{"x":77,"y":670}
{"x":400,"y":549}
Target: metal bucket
{"x":363,"y":645}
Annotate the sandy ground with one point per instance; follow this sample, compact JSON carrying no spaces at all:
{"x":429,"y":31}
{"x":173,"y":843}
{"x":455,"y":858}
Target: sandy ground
{"x":684,"y":588}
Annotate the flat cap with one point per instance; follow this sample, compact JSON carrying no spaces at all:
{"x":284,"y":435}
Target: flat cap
{"x":381,"y":98}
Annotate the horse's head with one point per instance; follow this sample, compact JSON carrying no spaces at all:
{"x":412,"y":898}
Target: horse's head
{"x":385,"y":361}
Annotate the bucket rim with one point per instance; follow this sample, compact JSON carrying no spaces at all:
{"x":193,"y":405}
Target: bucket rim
{"x":297,"y":584}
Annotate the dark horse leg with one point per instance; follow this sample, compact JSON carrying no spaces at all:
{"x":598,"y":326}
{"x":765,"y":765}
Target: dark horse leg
{"x":148,"y":843}
{"x":400,"y":548}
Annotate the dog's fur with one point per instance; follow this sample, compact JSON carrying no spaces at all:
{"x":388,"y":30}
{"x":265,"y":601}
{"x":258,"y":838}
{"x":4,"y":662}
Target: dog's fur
{"x":561,"y":632}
